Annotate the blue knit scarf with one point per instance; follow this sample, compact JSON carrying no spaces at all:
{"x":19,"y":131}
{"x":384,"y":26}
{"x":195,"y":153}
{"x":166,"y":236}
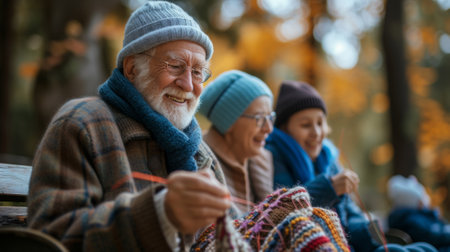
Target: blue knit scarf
{"x":179,"y":146}
{"x":297,"y":160}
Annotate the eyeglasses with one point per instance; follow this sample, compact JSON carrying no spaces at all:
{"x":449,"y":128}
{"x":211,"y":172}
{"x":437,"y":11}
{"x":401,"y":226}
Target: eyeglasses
{"x":177,"y":67}
{"x":262,"y":119}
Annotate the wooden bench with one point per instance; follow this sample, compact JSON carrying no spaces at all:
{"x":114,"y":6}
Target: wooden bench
{"x":14,"y":234}
{"x":14,"y":180}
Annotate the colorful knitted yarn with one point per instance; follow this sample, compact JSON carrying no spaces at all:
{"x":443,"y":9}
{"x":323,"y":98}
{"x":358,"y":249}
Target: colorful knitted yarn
{"x":284,"y":221}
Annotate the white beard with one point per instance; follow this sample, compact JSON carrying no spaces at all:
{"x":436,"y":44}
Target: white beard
{"x":179,"y":116}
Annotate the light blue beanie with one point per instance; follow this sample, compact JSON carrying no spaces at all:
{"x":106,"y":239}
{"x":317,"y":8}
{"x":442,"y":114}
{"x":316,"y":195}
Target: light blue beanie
{"x":228,"y":96}
{"x":158,"y":22}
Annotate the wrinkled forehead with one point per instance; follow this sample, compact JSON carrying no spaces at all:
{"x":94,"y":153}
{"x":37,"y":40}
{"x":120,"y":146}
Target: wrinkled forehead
{"x":182,"y":50}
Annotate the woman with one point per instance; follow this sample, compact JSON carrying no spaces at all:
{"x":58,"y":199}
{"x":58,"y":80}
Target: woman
{"x":303,"y":155}
{"x":239,"y":107}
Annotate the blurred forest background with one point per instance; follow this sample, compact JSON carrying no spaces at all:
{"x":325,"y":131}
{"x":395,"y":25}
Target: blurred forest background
{"x":383,"y":68}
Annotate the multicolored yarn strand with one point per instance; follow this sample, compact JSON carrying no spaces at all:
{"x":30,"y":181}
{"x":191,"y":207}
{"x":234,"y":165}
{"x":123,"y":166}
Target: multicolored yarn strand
{"x":284,"y":221}
{"x":329,"y":222}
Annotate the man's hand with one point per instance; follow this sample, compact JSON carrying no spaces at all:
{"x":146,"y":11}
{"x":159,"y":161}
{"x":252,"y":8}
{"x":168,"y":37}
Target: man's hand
{"x":345,"y":182}
{"x":194,"y":200}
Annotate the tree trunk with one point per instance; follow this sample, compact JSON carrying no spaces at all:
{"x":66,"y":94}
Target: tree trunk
{"x":6,"y":42}
{"x":405,"y":156}
{"x":316,"y":8}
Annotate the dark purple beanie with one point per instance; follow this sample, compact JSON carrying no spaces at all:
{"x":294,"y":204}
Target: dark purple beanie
{"x":293,"y":97}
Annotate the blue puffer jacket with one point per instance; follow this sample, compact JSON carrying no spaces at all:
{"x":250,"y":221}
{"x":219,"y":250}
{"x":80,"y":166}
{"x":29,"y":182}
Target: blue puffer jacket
{"x":422,"y":225}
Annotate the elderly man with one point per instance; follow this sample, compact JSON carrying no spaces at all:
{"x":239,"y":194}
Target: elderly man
{"x":128,"y":170}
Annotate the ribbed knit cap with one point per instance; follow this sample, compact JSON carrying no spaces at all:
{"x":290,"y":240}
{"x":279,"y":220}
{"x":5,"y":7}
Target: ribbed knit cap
{"x":293,"y":97}
{"x":158,"y":22}
{"x":228,"y":96}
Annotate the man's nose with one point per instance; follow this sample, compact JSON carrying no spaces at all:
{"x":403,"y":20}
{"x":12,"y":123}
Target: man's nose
{"x":184,"y":81}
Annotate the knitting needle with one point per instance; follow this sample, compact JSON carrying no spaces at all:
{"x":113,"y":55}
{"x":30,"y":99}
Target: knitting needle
{"x":358,"y":197}
{"x":157,"y":179}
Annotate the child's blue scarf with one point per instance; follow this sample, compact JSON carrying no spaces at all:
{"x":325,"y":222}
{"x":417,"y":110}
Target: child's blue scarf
{"x":179,"y":146}
{"x":297,"y":160}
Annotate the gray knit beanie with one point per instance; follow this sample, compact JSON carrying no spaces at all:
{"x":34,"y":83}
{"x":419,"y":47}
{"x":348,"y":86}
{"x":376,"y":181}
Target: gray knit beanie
{"x":228,"y":96}
{"x":158,"y":22}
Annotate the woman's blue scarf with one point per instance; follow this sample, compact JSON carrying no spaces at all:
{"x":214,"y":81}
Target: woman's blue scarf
{"x":179,"y":146}
{"x":297,"y":160}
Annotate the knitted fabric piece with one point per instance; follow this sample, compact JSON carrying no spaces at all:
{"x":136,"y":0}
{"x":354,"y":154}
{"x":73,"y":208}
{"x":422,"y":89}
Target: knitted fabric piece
{"x":284,"y":221}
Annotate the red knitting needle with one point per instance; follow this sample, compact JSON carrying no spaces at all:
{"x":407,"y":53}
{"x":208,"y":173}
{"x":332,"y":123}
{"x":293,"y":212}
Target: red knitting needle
{"x":153,"y":178}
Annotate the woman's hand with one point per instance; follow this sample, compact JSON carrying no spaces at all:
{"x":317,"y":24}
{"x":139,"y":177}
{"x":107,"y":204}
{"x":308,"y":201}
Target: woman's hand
{"x":345,"y":182}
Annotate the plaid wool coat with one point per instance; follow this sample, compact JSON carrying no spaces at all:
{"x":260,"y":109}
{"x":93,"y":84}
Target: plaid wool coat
{"x":74,"y":193}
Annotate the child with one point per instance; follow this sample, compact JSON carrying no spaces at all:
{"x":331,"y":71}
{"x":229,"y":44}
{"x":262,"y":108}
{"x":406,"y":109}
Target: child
{"x":413,"y":214}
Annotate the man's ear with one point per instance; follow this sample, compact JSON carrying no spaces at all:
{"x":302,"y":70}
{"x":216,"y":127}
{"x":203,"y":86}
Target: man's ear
{"x":128,"y":68}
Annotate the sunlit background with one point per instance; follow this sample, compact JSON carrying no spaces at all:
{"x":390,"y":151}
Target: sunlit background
{"x":57,"y":50}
